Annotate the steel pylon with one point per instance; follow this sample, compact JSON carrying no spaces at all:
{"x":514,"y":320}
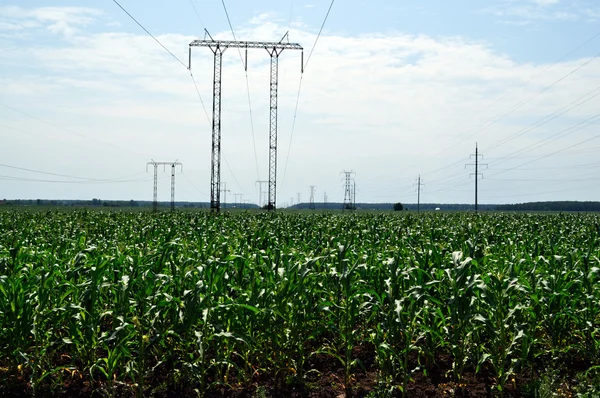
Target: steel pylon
{"x":218,"y":47}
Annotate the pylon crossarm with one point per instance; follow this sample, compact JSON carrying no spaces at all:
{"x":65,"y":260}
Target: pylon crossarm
{"x":245,"y":44}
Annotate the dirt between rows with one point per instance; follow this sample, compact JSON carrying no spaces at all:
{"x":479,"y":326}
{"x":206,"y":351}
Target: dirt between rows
{"x":326,"y":380}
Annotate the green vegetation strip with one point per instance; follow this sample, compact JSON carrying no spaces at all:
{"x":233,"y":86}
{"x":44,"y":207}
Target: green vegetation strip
{"x":129,"y":300}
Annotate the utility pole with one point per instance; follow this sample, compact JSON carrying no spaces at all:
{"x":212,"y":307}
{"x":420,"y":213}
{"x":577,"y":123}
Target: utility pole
{"x":225,"y":190}
{"x":477,"y":156}
{"x":260,"y":191}
{"x":348,"y":200}
{"x":173,"y":166}
{"x":155,"y":193}
{"x":311,"y":204}
{"x":218,"y":47}
{"x":419,"y":190}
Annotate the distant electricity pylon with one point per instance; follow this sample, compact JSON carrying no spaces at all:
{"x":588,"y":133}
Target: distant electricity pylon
{"x":164,"y":164}
{"x":218,"y":47}
{"x":236,"y":195}
{"x":225,"y":190}
{"x":349,"y":190}
{"x":311,"y":204}
{"x":325,"y":199}
{"x":260,"y":191}
{"x":477,"y":173}
{"x":419,"y":185}
{"x":299,"y":197}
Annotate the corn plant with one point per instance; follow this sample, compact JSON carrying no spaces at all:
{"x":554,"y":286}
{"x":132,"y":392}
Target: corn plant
{"x":215,"y":304}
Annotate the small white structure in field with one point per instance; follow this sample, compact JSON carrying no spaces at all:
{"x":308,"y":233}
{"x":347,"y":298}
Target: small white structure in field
{"x":437,"y":209}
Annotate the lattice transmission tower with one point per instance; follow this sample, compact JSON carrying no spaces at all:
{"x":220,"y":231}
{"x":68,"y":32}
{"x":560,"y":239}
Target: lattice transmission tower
{"x":218,"y":47}
{"x":349,"y":190}
{"x":225,"y":190}
{"x":311,"y":204}
{"x":164,"y":164}
{"x":260,"y":191}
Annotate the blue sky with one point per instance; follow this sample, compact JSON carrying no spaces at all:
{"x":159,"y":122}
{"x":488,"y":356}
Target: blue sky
{"x":394,"y":89}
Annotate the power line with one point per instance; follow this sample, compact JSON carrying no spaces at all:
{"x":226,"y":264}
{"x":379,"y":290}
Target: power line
{"x":558,"y":151}
{"x":199,"y":96}
{"x":66,"y":175}
{"x":300,"y":87}
{"x":196,"y":11}
{"x":291,"y":13}
{"x":498,"y":117}
{"x":58,"y":127}
{"x":550,"y":117}
{"x":202,"y":102}
{"x":146,"y":30}
{"x":522,"y":103}
{"x":25,"y":179}
{"x":579,"y":125}
{"x":449,"y":184}
{"x":477,"y":155}
{"x":230,"y":25}
{"x":531,"y":194}
{"x":252,"y":126}
{"x":48,"y":137}
{"x":86,"y":137}
{"x":563,"y":110}
{"x":245,"y":64}
{"x":570,"y":130}
{"x":518,"y":87}
{"x":292,"y":132}
{"x":233,"y":175}
{"x":531,"y":78}
{"x":319,"y":35}
{"x":155,"y":165}
{"x":192,"y":184}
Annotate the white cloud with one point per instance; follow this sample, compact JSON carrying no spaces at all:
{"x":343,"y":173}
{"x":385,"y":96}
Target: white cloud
{"x":593,"y":14}
{"x":58,"y":20}
{"x":10,"y":26}
{"x":545,"y":2}
{"x":527,"y":12}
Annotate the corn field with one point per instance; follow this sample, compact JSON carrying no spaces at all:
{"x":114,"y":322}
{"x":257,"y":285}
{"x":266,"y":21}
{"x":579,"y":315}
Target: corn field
{"x":139,"y":304}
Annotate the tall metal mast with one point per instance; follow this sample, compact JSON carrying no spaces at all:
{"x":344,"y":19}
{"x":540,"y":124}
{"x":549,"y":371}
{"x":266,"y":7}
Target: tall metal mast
{"x":349,"y":191}
{"x":419,"y":185}
{"x":311,"y":204}
{"x":260,"y":191}
{"x":477,"y":174}
{"x":218,"y":47}
{"x":164,"y":164}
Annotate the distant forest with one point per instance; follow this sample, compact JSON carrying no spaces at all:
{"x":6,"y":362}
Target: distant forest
{"x":551,"y":206}
{"x":531,"y":206}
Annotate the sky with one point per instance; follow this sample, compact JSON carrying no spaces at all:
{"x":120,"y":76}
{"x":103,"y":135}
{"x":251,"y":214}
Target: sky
{"x":391,"y":90}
